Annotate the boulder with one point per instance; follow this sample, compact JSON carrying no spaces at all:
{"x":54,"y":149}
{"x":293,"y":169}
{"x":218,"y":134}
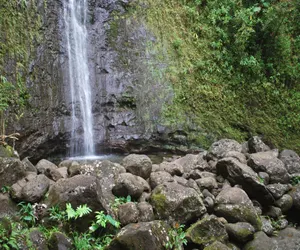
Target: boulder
{"x":285,"y":203}
{"x":30,"y":189}
{"x":77,"y":190}
{"x":235,"y":206}
{"x":206,"y":231}
{"x":288,"y":239}
{"x":217,"y":245}
{"x":256,"y":144}
{"x":241,"y":174}
{"x":38,"y":239}
{"x":261,"y":241}
{"x":172,"y":168}
{"x":190,"y":162}
{"x":273,"y":212}
{"x":106,"y":174}
{"x":278,"y":189}
{"x":6,"y":152}
{"x":8,"y":207}
{"x":129,"y":184}
{"x":267,"y":227}
{"x":143,"y":235}
{"x":160,"y":177}
{"x":207,"y":183}
{"x":219,"y":149}
{"x":176,"y":202}
{"x":291,"y":161}
{"x":11,"y":171}
{"x":139,"y":165}
{"x":264,"y":162}
{"x":53,"y":174}
{"x":59,"y":241}
{"x":128,"y":213}
{"x":43,"y":165}
{"x":240,"y":232}
{"x":29,"y":167}
{"x":237,"y":155}
{"x":295,"y":194}
{"x":145,"y":212}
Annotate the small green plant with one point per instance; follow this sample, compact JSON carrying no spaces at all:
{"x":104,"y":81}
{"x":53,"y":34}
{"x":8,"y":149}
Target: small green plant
{"x":176,"y":237}
{"x":7,"y":241}
{"x":119,"y":201}
{"x":295,"y":180}
{"x":5,"y":189}
{"x":102,"y":220}
{"x":82,"y":241}
{"x":26,"y":213}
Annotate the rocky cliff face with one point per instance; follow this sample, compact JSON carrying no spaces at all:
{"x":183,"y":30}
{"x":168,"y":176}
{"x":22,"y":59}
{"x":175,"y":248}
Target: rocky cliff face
{"x":128,"y":94}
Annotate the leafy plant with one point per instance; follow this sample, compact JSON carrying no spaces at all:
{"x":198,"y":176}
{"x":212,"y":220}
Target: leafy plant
{"x":176,"y":237}
{"x":295,"y":180}
{"x":5,"y":189}
{"x":26,"y":213}
{"x":102,"y":220}
{"x":8,"y":240}
{"x":119,"y":201}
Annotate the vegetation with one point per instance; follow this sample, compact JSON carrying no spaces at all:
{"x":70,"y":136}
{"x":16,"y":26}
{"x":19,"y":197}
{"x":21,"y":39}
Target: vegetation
{"x":19,"y":32}
{"x":234,"y":65}
{"x":176,"y":237}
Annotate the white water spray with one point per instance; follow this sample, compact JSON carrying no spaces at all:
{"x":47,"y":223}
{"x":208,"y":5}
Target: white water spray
{"x":75,"y":18}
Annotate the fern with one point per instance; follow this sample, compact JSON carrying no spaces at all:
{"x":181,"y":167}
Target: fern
{"x":82,"y":210}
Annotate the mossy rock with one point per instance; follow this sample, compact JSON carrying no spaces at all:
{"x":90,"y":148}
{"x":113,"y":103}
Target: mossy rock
{"x":6,"y":151}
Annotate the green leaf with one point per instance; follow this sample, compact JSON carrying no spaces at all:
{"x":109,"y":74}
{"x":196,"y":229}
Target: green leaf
{"x":71,"y":213}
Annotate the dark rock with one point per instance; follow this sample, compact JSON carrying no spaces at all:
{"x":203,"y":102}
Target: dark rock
{"x":129,"y":184}
{"x":261,"y":241}
{"x":288,"y":239}
{"x":285,"y":203}
{"x":59,"y":241}
{"x":157,"y":178}
{"x":128,"y":213}
{"x":217,"y":245}
{"x":240,"y":232}
{"x":176,"y":202}
{"x":11,"y":171}
{"x":237,"y":155}
{"x":266,"y":162}
{"x":143,"y":235}
{"x":291,"y":161}
{"x":209,"y":203}
{"x":44,"y":165}
{"x":139,"y":165}
{"x":38,"y":240}
{"x":278,"y":190}
{"x":274,"y":212}
{"x":145,"y":212}
{"x":238,"y":173}
{"x":207,"y":183}
{"x":206,"y":231}
{"x":29,"y":167}
{"x":8,"y":207}
{"x":6,"y":227}
{"x":235,"y":206}
{"x":295,"y":194}
{"x":30,"y":189}
{"x":53,"y":174}
{"x":256,"y":145}
{"x":219,"y":149}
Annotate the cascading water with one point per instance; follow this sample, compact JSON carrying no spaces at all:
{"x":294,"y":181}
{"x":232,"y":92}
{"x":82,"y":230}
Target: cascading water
{"x":75,"y":19}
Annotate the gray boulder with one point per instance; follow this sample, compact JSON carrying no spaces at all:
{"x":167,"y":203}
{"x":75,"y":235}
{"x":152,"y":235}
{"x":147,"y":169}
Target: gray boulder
{"x":219,"y":149}
{"x":240,"y":232}
{"x":190,"y":162}
{"x":295,"y":194}
{"x":129,"y":184}
{"x":206,"y":231}
{"x":237,"y":155}
{"x":59,"y":241}
{"x":30,"y":189}
{"x":8,"y":207}
{"x":145,"y":212}
{"x":38,"y":239}
{"x":143,"y":235}
{"x":291,"y":161}
{"x":43,"y":165}
{"x":285,"y":203}
{"x":288,"y":239}
{"x":128,"y":213}
{"x":207,"y":183}
{"x":11,"y":171}
{"x":264,"y":162}
{"x":241,"y":174}
{"x":172,"y":168}
{"x":235,"y":206}
{"x":278,"y":189}
{"x":261,"y":241}
{"x":217,"y":245}
{"x":139,"y":165}
{"x":157,"y":178}
{"x":29,"y":167}
{"x":267,"y":227}
{"x":256,"y":144}
{"x":176,"y":202}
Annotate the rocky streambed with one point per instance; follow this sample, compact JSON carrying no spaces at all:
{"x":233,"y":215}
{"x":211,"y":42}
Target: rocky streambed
{"x":233,"y":196}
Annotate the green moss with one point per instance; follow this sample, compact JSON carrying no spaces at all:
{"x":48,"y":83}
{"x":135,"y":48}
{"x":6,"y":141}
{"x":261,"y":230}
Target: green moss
{"x":159,"y":202}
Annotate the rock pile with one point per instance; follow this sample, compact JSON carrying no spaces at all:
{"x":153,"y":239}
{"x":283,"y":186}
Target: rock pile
{"x":233,"y":196}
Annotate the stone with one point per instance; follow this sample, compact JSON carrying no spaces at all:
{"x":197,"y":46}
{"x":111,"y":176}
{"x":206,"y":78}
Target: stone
{"x":285,"y":203}
{"x":172,"y":168}
{"x":31,"y":188}
{"x":143,"y":235}
{"x":288,"y":239}
{"x":261,"y":241}
{"x":240,"y":231}
{"x":219,"y":149}
{"x":176,"y":202}
{"x":128,"y":213}
{"x":139,"y":165}
{"x":8,"y":208}
{"x":264,"y":177}
{"x":207,"y":183}
{"x":74,"y":168}
{"x":266,"y":162}
{"x":37,"y":239}
{"x":267,"y":227}
{"x":63,"y":171}
{"x":273,"y":212}
{"x":209,"y":203}
{"x":291,"y":161}
{"x":278,"y":189}
{"x":43,"y":164}
{"x":159,"y":177}
{"x":256,"y":145}
{"x":129,"y":184}
{"x":190,"y":162}
{"x":241,"y":174}
{"x":217,"y":245}
{"x":237,"y":155}
{"x":29,"y":167}
{"x":53,"y":174}
{"x":77,"y":190}
{"x":59,"y":241}
{"x":295,"y":194}
{"x":206,"y":231}
{"x":145,"y":212}
{"x":6,"y":151}
{"x":235,"y":206}
{"x":11,"y":171}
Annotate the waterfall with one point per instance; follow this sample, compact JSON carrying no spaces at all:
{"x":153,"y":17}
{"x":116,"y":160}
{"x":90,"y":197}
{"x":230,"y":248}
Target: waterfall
{"x":75,"y":20}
